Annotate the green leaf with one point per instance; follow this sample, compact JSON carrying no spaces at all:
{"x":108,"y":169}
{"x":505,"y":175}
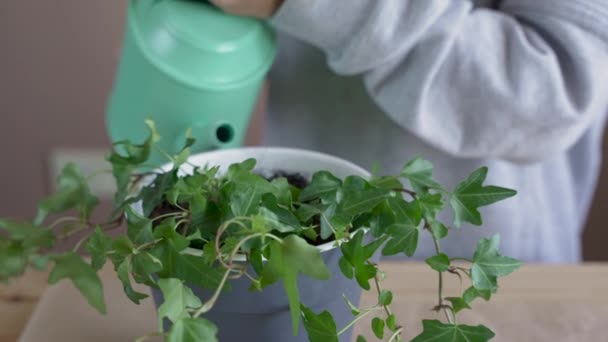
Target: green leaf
{"x":196,"y":270}
{"x":353,"y":309}
{"x":470,"y":195}
{"x":72,"y":193}
{"x":406,"y":212}
{"x":98,"y":246}
{"x":472,"y":293}
{"x":177,"y":299}
{"x":143,"y":266}
{"x":391,"y":322}
{"x":287,"y":259}
{"x":458,"y":304}
{"x":420,"y":174}
{"x":323,"y":185}
{"x":30,"y":235}
{"x":321,"y":327}
{"x":430,"y":205}
{"x":287,"y":221}
{"x":386,"y":182}
{"x":282,"y":191}
{"x":13,"y":259}
{"x":438,"y":229}
{"x":305,"y":212}
{"x":360,"y":338}
{"x":363,"y":201}
{"x":358,"y":255}
{"x":122,"y":271}
{"x":404,"y":239}
{"x":125,"y":158}
{"x":439,"y":262}
{"x":437,"y":331}
{"x":378,"y":327}
{"x":245,"y":203}
{"x":82,"y":275}
{"x":154,"y":194}
{"x":346,"y":268}
{"x":183,"y":155}
{"x":193,"y":330}
{"x":488,"y":264}
{"x":385,"y":297}
{"x":139,"y":228}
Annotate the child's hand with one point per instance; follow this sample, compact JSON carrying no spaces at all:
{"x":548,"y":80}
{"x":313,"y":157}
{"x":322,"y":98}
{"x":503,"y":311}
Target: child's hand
{"x":251,"y":8}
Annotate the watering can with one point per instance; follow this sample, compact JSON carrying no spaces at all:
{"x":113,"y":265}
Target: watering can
{"x":187,"y":65}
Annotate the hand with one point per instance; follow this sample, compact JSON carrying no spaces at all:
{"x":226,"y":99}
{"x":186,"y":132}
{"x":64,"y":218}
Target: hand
{"x":251,"y":8}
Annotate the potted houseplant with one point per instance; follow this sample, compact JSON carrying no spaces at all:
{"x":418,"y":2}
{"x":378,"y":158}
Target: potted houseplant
{"x":267,"y":244}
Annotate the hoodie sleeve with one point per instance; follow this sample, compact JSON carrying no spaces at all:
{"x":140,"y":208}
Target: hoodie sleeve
{"x":519,"y":82}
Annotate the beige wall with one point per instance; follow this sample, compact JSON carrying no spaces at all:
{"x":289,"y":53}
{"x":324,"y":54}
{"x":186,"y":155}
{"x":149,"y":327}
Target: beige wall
{"x":57,"y":60}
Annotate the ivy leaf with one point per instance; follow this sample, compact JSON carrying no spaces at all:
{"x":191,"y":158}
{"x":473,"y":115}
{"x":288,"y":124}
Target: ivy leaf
{"x":439,"y":262}
{"x":287,"y":259}
{"x":357,"y":255}
{"x":382,"y":217}
{"x":72,"y":193}
{"x":406,"y":212}
{"x":458,"y":304}
{"x":472,"y":293}
{"x":139,"y":228}
{"x":346,"y":268}
{"x":438,"y":229}
{"x":122,"y":271}
{"x":13,"y":259}
{"x":404,"y":239}
{"x":287,"y":221}
{"x":360,"y":338}
{"x":182,"y":156}
{"x":126,"y":157}
{"x":385,"y":297}
{"x":378,"y":327}
{"x":430,"y":204}
{"x":470,"y":195}
{"x":282,"y":191}
{"x":362,"y":201}
{"x":353,"y":309}
{"x":386,"y":182}
{"x":82,"y":275}
{"x":177,"y":299}
{"x":321,"y":327}
{"x":143,"y":266}
{"x":420,"y":174}
{"x":436,"y":331}
{"x":305,"y":212}
{"x":488,"y":264}
{"x":98,"y":246}
{"x":196,"y":270}
{"x":154,"y":194}
{"x":30,"y":235}
{"x":323,"y":185}
{"x":193,"y":330}
{"x":391,"y":322}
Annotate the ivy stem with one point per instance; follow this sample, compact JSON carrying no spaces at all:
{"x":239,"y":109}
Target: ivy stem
{"x":149,"y":336}
{"x":252,"y":236}
{"x":461,"y":259}
{"x":147,"y":245}
{"x":211,"y":302}
{"x":64,"y":220}
{"x":180,"y":214}
{"x":395,"y":335}
{"x":379,"y":289}
{"x":407,"y":191}
{"x":219,"y":234}
{"x":358,"y":318}
{"x":440,"y":287}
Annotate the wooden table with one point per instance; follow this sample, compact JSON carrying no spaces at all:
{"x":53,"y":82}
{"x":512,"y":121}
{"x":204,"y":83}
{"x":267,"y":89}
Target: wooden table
{"x":537,"y":303}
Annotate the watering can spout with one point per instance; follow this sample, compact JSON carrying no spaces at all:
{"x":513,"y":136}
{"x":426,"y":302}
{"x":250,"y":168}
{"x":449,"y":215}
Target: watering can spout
{"x":187,"y":65}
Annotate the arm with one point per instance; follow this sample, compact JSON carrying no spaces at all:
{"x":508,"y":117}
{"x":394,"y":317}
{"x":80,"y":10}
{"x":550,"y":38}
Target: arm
{"x":520,"y":83}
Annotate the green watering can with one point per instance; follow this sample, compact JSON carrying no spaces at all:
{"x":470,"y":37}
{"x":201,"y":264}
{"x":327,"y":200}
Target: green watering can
{"x":186,"y":64}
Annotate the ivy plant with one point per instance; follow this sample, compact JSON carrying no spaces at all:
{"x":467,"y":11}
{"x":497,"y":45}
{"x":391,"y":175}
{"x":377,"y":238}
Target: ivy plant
{"x":239,"y":219}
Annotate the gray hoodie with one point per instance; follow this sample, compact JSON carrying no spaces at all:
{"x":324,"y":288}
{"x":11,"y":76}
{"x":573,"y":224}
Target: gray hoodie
{"x":520,"y":86}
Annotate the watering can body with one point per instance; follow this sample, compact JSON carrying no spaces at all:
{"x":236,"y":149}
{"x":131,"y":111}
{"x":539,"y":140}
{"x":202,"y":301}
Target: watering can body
{"x":187,"y":65}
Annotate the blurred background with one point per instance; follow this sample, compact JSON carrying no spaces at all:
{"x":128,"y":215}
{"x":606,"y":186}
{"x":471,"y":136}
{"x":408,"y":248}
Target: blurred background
{"x":57,"y":63}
